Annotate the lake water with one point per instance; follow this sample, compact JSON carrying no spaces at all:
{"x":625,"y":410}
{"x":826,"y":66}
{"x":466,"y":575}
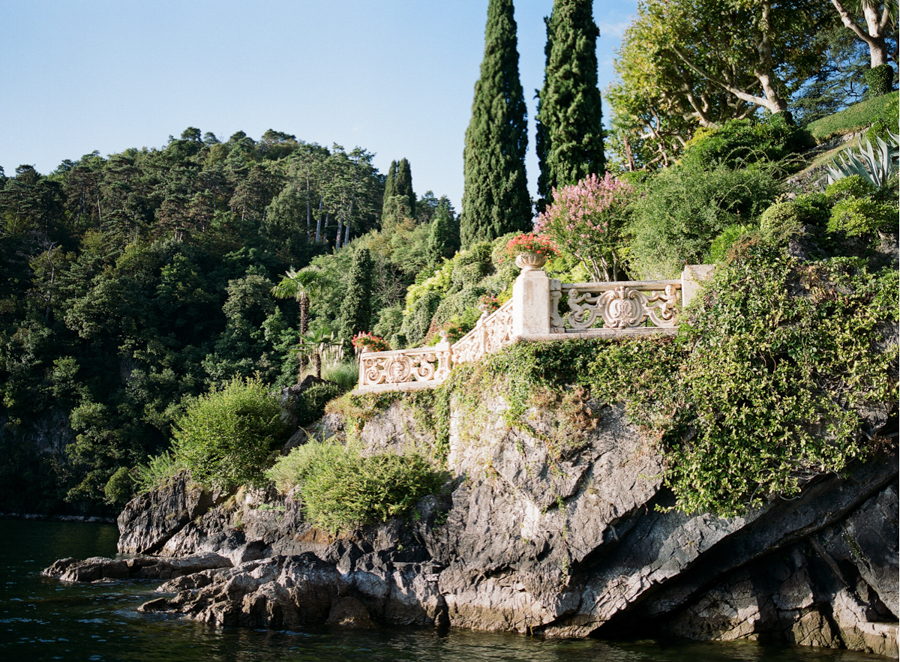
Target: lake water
{"x":43,"y":619}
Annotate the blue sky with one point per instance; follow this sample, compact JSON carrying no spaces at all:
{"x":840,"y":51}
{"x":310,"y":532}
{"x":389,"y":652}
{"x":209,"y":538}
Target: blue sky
{"x":395,"y":77}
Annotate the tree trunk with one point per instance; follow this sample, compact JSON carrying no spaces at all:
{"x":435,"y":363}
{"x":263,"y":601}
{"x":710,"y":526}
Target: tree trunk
{"x":874,"y":39}
{"x":303,"y":360}
{"x":337,"y":237}
{"x":304,"y":314}
{"x":319,"y":221}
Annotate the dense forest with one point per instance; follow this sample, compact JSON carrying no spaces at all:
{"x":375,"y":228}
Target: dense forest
{"x":132,"y":284}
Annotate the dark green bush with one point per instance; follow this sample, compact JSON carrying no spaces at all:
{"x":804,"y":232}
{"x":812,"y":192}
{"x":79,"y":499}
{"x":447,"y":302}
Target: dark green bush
{"x":880,"y":80}
{"x":311,"y":402}
{"x":342,"y":489}
{"x":119,"y":488}
{"x":416,"y":324}
{"x":225,"y":437}
{"x":458,"y":303}
{"x":681,"y":210}
{"x":741,"y":142}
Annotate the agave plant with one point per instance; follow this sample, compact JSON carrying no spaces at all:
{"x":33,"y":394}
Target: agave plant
{"x":876,"y":166}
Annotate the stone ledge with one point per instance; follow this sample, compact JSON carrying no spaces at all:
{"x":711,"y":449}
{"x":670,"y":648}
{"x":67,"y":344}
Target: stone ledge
{"x":600,"y":333}
{"x":407,"y":386}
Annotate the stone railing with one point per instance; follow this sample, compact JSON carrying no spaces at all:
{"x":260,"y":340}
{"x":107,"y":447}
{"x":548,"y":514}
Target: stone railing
{"x":541,"y":308}
{"x":490,"y":334}
{"x":618,"y":305}
{"x":427,"y":366}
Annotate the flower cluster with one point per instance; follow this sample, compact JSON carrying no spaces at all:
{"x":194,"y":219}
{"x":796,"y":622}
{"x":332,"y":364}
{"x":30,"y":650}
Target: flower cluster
{"x":453,"y":331}
{"x":532,"y":243}
{"x":370,"y":342}
{"x":586,"y":218}
{"x":488,"y":304}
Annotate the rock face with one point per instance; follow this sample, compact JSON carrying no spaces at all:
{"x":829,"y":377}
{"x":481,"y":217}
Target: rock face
{"x":562,"y":528}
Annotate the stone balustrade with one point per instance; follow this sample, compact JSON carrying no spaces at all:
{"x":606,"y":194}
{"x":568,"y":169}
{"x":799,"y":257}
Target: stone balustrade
{"x":490,"y":334}
{"x":541,"y":308}
{"x":424,"y":366}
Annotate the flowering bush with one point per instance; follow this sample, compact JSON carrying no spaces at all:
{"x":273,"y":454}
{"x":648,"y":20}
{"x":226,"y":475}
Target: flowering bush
{"x":454,"y":331}
{"x":586,"y":220}
{"x":488,"y":304}
{"x":531,"y":243}
{"x":369,"y":342}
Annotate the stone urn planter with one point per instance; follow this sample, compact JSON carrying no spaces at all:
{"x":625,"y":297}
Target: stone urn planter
{"x":530,"y":261}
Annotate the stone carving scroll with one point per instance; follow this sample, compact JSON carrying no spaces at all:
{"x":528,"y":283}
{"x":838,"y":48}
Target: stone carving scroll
{"x":620,"y":305}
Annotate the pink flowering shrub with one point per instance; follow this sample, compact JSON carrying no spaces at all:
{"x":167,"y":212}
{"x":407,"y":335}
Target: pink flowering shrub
{"x":586,"y":220}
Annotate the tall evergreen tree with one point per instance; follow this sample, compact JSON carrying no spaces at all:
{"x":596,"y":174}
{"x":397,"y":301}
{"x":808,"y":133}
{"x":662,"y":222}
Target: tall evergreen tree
{"x":399,"y":198}
{"x":569,"y":132}
{"x":403,"y":186}
{"x":443,"y":240}
{"x":495,"y":194}
{"x":389,"y":187}
{"x":356,"y":312}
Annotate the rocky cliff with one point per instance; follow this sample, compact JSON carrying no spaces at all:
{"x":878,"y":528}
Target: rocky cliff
{"x":579,"y":541}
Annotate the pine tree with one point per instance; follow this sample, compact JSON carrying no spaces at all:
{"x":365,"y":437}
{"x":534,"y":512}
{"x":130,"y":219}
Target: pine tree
{"x":356,"y":312}
{"x":569,"y":133}
{"x":495,"y":194}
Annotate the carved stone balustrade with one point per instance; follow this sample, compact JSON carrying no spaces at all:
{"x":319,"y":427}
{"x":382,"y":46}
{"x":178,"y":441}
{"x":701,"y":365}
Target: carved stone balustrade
{"x":425,"y":366}
{"x":617,"y":305}
{"x":627,"y":308}
{"x":490,"y":334}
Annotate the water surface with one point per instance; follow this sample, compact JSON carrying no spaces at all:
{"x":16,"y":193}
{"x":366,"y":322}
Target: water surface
{"x":43,"y":619}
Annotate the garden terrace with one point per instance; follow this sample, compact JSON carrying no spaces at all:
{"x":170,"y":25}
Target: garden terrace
{"x":541,"y":309}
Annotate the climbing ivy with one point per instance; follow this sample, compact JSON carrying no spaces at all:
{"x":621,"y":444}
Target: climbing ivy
{"x":765,"y":384}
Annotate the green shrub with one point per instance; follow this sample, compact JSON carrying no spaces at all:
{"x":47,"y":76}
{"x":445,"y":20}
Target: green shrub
{"x":417,"y":322}
{"x":718,"y":250}
{"x":390,"y":320}
{"x":156,"y":472}
{"x":856,"y":217}
{"x":740,"y":142}
{"x":880,"y":80}
{"x":684,"y":208}
{"x":458,"y":304}
{"x":225,"y":437}
{"x":119,"y":488}
{"x":849,"y":187}
{"x":345,"y":374}
{"x":783,"y":359}
{"x":311,"y":402}
{"x":341,"y":489}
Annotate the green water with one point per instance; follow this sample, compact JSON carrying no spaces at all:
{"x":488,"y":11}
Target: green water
{"x":42,"y":619}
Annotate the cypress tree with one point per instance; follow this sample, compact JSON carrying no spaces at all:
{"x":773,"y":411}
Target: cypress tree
{"x":399,"y":198}
{"x":356,"y":312}
{"x":495,"y":193}
{"x":569,"y":132}
{"x":444,"y":238}
{"x":403,"y":186}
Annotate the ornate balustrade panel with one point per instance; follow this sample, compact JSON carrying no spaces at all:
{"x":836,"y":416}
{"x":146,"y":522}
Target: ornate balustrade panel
{"x":405,"y":366}
{"x":619,"y":305}
{"x":490,"y":334}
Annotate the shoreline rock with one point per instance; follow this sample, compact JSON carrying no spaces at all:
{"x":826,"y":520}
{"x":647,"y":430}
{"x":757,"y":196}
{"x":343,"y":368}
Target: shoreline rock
{"x":574,"y":544}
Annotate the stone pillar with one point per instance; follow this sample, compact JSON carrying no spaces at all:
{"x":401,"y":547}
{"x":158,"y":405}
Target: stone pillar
{"x":531,"y":303}
{"x":691,"y":279}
